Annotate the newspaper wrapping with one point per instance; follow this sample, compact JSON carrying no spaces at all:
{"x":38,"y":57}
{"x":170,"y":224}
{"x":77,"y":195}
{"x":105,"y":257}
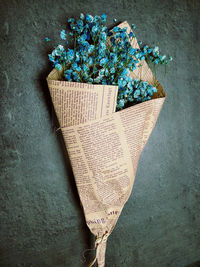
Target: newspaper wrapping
{"x":104,"y":146}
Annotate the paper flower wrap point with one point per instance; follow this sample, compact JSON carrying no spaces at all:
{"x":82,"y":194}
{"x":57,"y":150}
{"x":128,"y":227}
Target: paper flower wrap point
{"x":104,"y":146}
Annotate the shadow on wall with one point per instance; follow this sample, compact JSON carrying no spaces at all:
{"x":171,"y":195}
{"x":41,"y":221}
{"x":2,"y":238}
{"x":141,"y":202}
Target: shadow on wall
{"x":195,"y":264}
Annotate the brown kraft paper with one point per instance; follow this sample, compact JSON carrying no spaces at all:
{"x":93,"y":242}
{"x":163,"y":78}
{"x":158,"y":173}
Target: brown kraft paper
{"x":104,"y":146}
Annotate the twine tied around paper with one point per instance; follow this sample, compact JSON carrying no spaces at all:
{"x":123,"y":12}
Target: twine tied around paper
{"x":98,"y":242}
{"x":58,"y":129}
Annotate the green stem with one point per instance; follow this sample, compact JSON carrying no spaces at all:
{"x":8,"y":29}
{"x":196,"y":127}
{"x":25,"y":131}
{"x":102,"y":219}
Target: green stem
{"x":154,"y":77}
{"x":74,"y":46}
{"x":94,"y":65}
{"x":140,"y":71}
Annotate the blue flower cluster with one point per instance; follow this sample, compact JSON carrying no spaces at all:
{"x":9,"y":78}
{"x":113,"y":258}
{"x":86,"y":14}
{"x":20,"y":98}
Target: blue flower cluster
{"x":103,"y":56}
{"x":135,"y":91}
{"x":152,"y":54}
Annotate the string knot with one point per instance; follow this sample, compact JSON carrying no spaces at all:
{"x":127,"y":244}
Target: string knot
{"x":99,"y":240}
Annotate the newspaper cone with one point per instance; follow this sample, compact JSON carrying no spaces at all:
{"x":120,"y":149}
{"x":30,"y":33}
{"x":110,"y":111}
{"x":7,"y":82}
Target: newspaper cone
{"x":104,"y":146}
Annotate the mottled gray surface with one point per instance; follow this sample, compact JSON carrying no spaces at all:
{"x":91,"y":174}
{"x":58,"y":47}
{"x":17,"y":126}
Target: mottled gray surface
{"x":42,"y":223}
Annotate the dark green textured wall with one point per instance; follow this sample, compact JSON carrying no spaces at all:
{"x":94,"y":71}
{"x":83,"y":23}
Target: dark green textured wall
{"x":42,"y":223}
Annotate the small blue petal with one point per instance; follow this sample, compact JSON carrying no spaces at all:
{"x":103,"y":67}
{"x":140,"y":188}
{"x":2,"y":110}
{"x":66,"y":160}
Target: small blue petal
{"x":47,"y":39}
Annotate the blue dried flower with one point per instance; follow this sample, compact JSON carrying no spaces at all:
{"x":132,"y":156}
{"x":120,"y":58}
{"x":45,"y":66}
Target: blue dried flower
{"x":82,"y":39}
{"x":91,"y":48}
{"x":63,"y":35}
{"x":102,"y":46}
{"x":82,"y":16}
{"x":103,"y":17}
{"x":70,"y":54}
{"x":98,"y":79}
{"x":136,"y":93}
{"x":116,"y":29}
{"x":90,"y":61}
{"x":90,"y":80}
{"x":103,"y":61}
{"x":85,"y":68}
{"x":47,"y":39}
{"x":76,"y":67}
{"x":162,"y":58}
{"x":133,"y":27}
{"x":71,"y":20}
{"x":58,"y":66}
{"x":112,"y":70}
{"x":51,"y":58}
{"x":130,"y":34}
{"x":121,"y":103}
{"x":156,"y":51}
{"x":113,"y":57}
{"x":89,"y":18}
{"x":94,"y":29}
{"x":67,"y":74}
{"x":102,"y":36}
{"x":80,"y":23}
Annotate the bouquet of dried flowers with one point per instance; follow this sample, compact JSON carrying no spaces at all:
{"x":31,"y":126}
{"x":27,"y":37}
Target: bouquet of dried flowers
{"x":102,"y":56}
{"x":98,"y":71}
